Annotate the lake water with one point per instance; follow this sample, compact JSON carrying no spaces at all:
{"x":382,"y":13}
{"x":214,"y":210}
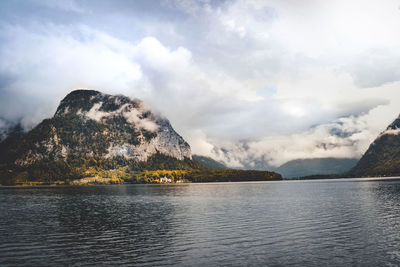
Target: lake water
{"x":305,"y":223}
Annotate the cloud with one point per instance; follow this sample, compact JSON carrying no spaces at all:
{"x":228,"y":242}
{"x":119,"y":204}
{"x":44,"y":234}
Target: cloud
{"x":346,"y":137}
{"x":241,"y":81}
{"x":376,"y":67}
{"x":57,"y":63}
{"x":133,"y":116}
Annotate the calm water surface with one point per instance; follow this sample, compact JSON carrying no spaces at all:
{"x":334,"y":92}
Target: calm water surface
{"x":305,"y":223}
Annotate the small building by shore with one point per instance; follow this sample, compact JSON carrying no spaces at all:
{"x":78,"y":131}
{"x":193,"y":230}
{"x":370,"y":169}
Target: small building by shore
{"x":165,"y":180}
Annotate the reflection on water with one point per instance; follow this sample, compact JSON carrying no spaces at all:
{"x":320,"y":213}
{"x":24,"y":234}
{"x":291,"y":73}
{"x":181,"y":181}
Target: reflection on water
{"x":342,"y":222}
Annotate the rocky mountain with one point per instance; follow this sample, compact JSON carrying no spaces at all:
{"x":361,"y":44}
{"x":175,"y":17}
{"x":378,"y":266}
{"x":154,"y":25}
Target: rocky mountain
{"x":383,"y":156}
{"x":94,"y":130}
{"x":210,"y":163}
{"x":304,"y":167}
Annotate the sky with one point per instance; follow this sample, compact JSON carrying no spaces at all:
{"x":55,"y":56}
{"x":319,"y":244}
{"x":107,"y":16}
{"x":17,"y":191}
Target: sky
{"x":241,"y":81}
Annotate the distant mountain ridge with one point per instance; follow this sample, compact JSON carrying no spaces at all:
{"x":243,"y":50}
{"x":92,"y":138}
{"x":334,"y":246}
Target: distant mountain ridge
{"x":305,"y":167}
{"x":382,"y":158}
{"x":209,"y":162}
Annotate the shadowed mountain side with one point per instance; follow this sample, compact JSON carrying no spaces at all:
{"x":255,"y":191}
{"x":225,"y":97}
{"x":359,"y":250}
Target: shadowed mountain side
{"x":209,"y":162}
{"x":383,"y":156}
{"x":307,"y":167}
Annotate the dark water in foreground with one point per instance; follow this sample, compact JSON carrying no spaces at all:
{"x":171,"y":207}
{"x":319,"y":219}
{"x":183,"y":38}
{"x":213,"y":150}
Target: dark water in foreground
{"x":307,"y":223}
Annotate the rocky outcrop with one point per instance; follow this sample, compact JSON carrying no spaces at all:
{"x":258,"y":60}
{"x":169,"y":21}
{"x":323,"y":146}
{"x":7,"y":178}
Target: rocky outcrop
{"x":88,"y":123}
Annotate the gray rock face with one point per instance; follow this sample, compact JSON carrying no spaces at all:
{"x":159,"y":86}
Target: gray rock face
{"x":89,"y":123}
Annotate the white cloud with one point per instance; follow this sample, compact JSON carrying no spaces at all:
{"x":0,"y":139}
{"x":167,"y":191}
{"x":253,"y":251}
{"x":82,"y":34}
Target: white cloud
{"x":347,"y":137}
{"x":231,"y":26}
{"x":133,"y":116}
{"x":265,"y":80}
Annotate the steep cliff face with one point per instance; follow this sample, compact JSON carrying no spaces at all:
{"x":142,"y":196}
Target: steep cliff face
{"x":383,"y":156}
{"x":91,"y":126}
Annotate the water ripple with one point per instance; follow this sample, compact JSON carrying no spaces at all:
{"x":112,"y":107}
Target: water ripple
{"x":310,"y":223}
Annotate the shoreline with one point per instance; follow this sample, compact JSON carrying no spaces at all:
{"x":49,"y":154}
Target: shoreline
{"x":391,"y":178}
{"x":343,"y":178}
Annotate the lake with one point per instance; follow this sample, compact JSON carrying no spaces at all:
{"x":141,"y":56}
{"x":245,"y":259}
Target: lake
{"x":304,"y":223}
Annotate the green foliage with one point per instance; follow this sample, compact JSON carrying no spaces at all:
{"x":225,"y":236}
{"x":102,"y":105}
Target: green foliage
{"x":320,"y":176}
{"x":128,"y":170}
{"x":146,"y":177}
{"x":77,"y":167}
{"x":204,"y":175}
{"x":160,"y":161}
{"x":230,"y":175}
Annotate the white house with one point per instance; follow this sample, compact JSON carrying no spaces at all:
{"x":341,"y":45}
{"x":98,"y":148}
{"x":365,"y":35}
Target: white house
{"x":165,"y":180}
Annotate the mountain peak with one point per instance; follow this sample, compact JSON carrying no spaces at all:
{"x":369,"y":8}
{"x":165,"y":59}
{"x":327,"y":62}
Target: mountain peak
{"x":392,"y":129}
{"x":83,"y":100}
{"x":91,"y":124}
{"x":395,"y":124}
{"x":82,"y":92}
